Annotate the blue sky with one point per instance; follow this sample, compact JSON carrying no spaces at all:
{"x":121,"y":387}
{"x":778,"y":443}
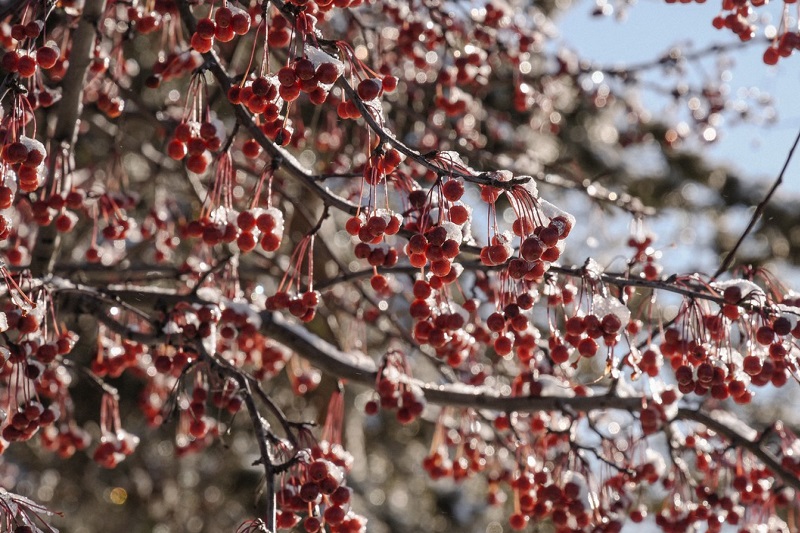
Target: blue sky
{"x":653,"y":26}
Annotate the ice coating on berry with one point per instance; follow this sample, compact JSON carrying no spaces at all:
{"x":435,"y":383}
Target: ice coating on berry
{"x":318,"y":57}
{"x":32,"y":145}
{"x":552,"y":212}
{"x":504,"y":239}
{"x":602,"y":306}
{"x":385,"y":214}
{"x":749,"y":290}
{"x":453,"y":231}
{"x":466,"y":228}
{"x":242,"y":307}
{"x":276,"y":215}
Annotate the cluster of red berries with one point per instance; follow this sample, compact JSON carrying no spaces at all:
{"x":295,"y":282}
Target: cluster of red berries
{"x":267,"y":358}
{"x":239,"y":340}
{"x":470,"y":455}
{"x":300,"y":302}
{"x":439,"y":325}
{"x":509,"y":328}
{"x":197,"y":429}
{"x":439,"y":245}
{"x":155,"y":397}
{"x":31,"y":357}
{"x":438,"y":464}
{"x":251,"y":228}
{"x":228,"y":22}
{"x":368,"y":89}
{"x":582,"y":333}
{"x":541,"y":244}
{"x":260,"y":96}
{"x":58,"y":208}
{"x":654,"y":415}
{"x":195,"y":142}
{"x":27,"y":420}
{"x":303,"y":306}
{"x":650,"y":361}
{"x":114,"y":358}
{"x":225,"y":398}
{"x":372,"y":229}
{"x":509,"y":324}
{"x":172,"y":361}
{"x":538,"y":495}
{"x":737,"y":20}
{"x":376,"y":256}
{"x":645,"y":256}
{"x":707,"y":508}
{"x":213,"y":231}
{"x":195,"y":321}
{"x":22,"y":56}
{"x":114,"y":447}
{"x":396,"y":391}
{"x":783,"y":46}
{"x":766,"y":357}
{"x":317,"y":489}
{"x":25,"y":157}
{"x":62,"y":210}
{"x":235,"y":328}
{"x":26,"y":64}
{"x":380,"y":164}
{"x":233,"y":323}
{"x":310,"y":77}
{"x":262,"y":226}
{"x":65,"y":438}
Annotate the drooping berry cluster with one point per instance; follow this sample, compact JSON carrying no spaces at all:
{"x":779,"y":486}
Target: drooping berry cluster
{"x":115,"y":443}
{"x":396,"y":391}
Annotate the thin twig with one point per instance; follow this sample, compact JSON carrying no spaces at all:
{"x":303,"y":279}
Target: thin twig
{"x":726,"y":263}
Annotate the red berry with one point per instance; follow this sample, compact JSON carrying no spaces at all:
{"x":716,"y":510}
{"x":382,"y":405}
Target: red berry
{"x":327,"y":73}
{"x":47,"y":56}
{"x":369,"y":89}
{"x":176,"y":149}
{"x":771,"y":55}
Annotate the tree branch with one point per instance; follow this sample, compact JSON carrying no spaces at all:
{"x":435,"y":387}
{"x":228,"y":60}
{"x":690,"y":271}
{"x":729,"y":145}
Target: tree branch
{"x":65,"y":133}
{"x":358,"y":368}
